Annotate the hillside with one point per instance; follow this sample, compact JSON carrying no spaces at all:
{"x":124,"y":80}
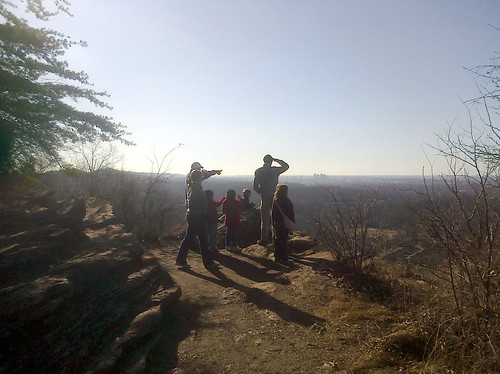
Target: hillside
{"x":80,"y":294}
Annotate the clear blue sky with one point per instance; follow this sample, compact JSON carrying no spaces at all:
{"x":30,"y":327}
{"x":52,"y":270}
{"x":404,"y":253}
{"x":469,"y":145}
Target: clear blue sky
{"x":335,"y":87}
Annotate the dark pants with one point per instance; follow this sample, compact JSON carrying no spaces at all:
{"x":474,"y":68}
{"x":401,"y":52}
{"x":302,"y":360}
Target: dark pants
{"x":231,"y":236}
{"x":280,"y":243}
{"x":196,"y":227}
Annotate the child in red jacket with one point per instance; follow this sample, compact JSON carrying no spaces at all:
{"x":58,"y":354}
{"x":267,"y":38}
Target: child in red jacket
{"x":212,"y":219}
{"x":231,"y":208}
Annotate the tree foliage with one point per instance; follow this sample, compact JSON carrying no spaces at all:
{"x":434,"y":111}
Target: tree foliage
{"x":39,"y":92}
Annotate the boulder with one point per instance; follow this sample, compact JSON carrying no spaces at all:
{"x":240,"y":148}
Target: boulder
{"x":75,"y":292}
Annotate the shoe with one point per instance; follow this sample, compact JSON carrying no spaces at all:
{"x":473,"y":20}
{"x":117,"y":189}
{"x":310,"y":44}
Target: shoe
{"x":262,"y":242}
{"x":286,"y":262}
{"x":181,"y":264}
{"x":235,"y":249}
{"x":213,"y":265}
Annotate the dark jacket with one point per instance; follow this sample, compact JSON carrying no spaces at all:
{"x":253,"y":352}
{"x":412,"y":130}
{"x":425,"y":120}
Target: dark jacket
{"x":287,"y":208}
{"x":196,"y":200}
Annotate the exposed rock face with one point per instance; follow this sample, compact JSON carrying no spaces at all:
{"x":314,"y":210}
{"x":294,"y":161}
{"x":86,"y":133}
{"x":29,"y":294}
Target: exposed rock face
{"x":76,"y":292}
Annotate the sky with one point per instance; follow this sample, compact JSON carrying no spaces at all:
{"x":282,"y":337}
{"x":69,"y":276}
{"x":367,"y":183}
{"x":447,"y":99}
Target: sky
{"x":337,"y":87}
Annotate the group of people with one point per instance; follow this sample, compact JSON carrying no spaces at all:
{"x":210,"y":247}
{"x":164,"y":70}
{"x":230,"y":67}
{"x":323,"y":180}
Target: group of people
{"x":276,"y":209}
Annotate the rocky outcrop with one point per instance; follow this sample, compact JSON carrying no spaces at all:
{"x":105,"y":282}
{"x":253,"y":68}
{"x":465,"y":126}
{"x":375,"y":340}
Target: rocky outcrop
{"x":77,"y":293}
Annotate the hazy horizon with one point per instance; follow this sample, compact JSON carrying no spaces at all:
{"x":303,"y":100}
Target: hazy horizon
{"x":331,"y":87}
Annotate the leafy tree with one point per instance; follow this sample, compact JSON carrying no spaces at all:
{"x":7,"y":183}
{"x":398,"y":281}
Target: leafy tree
{"x":36,"y":88}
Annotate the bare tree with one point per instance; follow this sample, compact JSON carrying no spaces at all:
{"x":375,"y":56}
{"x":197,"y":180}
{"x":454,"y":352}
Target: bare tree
{"x":346,"y":228}
{"x":93,"y":158}
{"x":459,"y":213}
{"x":155,"y":204}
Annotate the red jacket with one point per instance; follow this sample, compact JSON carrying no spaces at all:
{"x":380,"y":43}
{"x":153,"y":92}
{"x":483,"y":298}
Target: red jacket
{"x":231,"y":208}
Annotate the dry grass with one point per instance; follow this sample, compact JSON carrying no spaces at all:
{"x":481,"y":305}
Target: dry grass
{"x":407,"y":321}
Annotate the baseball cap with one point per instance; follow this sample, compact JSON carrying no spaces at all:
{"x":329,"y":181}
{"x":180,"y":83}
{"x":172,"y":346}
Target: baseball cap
{"x":196,"y":165}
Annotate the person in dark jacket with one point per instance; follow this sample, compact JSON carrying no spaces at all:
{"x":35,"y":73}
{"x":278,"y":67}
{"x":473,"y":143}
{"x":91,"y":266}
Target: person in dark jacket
{"x":282,"y":206}
{"x":231,"y":207}
{"x":197,"y":223}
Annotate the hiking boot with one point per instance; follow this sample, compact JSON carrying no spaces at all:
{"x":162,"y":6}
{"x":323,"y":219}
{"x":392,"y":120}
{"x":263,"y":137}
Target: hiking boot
{"x":262,"y":242}
{"x":234,"y":249}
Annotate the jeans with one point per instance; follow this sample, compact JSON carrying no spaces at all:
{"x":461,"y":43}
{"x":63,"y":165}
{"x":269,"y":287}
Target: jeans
{"x":196,"y":227}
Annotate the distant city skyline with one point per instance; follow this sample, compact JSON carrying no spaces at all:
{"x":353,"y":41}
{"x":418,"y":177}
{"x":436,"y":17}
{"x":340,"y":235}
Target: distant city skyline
{"x":331,"y":87}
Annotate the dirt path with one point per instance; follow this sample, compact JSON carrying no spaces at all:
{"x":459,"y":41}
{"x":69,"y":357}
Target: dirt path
{"x":253,"y":316}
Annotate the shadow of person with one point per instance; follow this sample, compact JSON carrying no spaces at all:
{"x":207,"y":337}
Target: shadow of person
{"x":252,"y":272}
{"x":266,"y":262}
{"x":263,"y":300}
{"x":177,"y":325}
{"x":316,"y":264}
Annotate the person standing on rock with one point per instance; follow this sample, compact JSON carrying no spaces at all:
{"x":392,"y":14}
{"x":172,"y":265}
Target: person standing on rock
{"x":265,"y":182}
{"x":197,"y":224}
{"x":283,"y":217}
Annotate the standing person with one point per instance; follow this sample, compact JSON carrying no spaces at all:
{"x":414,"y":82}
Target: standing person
{"x":264,"y":183}
{"x":196,"y":223}
{"x":282,"y":206}
{"x":231,"y":208}
{"x":212,"y":219}
{"x":205,"y":173}
{"x":247,"y":205}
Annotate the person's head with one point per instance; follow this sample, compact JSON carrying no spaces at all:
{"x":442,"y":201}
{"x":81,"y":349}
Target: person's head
{"x":196,"y":166}
{"x":209,"y":194}
{"x":247,"y":193}
{"x":231,"y":195}
{"x":196,"y":176}
{"x":281,"y":192}
{"x":268,"y":159}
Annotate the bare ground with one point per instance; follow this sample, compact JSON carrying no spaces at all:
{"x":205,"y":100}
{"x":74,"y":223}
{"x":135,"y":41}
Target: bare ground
{"x":253,"y":316}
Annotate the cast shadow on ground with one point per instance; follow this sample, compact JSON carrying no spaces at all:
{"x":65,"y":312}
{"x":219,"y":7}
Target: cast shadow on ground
{"x":266,"y":262}
{"x":252,"y":272}
{"x":262,"y":299}
{"x":176,"y":327}
{"x":313,"y":263}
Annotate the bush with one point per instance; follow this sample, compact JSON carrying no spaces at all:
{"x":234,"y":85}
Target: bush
{"x":346,"y":228}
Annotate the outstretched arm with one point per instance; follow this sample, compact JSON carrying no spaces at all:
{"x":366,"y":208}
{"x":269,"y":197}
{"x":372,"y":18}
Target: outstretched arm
{"x":208,"y":173}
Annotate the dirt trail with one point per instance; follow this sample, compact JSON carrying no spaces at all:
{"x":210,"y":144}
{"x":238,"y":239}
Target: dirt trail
{"x":253,"y":316}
